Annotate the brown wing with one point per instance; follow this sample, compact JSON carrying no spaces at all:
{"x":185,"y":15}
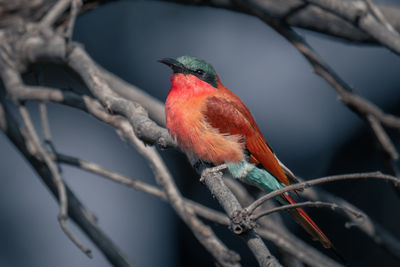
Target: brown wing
{"x":229,"y":115}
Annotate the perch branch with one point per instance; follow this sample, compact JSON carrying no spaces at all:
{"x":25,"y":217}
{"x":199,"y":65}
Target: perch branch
{"x":230,"y":204}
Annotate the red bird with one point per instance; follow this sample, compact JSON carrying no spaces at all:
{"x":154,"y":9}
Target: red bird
{"x":211,"y":124}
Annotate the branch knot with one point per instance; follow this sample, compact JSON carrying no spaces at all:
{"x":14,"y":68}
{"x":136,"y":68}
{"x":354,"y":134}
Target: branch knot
{"x":241,"y":222}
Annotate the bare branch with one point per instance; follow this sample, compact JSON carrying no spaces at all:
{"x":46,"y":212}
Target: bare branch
{"x":368,"y":226}
{"x":298,"y":13}
{"x":382,"y":137}
{"x":55,"y":13}
{"x":82,"y":64}
{"x":45,"y":122}
{"x":274,"y":231}
{"x":284,"y":240}
{"x":42,"y":155}
{"x":315,"y":204}
{"x":307,"y":254}
{"x":84,"y":219}
{"x":228,"y":201}
{"x":199,"y":209}
{"x":370,"y":175}
{"x":46,"y":129}
{"x":354,"y":102}
{"x":202,"y":232}
{"x":379,"y":15}
{"x":134,"y":119}
{"x":153,"y":106}
{"x":356,"y":13}
{"x":75,"y":6}
{"x":145,"y":128}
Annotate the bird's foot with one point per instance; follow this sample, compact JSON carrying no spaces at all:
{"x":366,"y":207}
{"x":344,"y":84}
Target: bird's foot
{"x":212,"y":170}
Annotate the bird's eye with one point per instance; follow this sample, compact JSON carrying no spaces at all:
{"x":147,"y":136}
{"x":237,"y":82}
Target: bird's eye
{"x":199,"y":71}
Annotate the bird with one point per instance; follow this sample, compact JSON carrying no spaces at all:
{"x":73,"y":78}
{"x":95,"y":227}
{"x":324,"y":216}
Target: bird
{"x":212,"y":125}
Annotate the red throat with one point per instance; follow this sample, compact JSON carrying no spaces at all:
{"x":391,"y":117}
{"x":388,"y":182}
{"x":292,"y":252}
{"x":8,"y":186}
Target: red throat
{"x":188,"y":85}
{"x":184,"y":109}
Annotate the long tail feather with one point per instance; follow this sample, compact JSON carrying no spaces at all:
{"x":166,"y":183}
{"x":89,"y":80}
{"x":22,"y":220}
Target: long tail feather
{"x":305,"y":221}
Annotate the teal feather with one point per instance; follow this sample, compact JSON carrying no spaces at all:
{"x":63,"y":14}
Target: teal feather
{"x":252,"y":175}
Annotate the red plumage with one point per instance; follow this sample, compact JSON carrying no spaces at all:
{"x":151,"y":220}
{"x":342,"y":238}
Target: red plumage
{"x":213,"y":124}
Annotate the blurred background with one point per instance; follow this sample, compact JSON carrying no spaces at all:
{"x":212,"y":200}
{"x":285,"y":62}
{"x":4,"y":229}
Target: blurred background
{"x":312,"y":132}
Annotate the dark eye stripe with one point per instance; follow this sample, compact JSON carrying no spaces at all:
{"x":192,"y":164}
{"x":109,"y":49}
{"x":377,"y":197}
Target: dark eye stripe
{"x":200,"y":72}
{"x":207,"y":77}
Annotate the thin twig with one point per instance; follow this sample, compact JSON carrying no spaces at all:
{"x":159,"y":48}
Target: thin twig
{"x":359,"y":17}
{"x":369,"y":227}
{"x":390,"y":154}
{"x":75,"y":6}
{"x":55,"y":13}
{"x":370,"y":175}
{"x":201,"y":210}
{"x":41,"y":153}
{"x":379,"y":15}
{"x":284,"y":241}
{"x":382,"y":137}
{"x":82,"y":217}
{"x":361,"y":106}
{"x":46,"y":129}
{"x":45,"y":122}
{"x":315,"y":204}
{"x":275,"y":231}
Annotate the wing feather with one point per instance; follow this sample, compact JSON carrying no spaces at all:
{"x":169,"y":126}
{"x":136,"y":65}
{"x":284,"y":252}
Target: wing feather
{"x":227,"y":113}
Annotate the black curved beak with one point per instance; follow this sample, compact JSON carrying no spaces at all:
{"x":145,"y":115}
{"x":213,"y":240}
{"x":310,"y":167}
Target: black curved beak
{"x":175,"y":65}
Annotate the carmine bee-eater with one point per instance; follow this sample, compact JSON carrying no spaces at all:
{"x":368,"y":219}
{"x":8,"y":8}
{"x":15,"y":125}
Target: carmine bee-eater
{"x":211,"y":124}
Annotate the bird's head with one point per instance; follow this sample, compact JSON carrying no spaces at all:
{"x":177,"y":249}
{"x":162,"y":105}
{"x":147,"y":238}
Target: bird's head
{"x":193,"y":66}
